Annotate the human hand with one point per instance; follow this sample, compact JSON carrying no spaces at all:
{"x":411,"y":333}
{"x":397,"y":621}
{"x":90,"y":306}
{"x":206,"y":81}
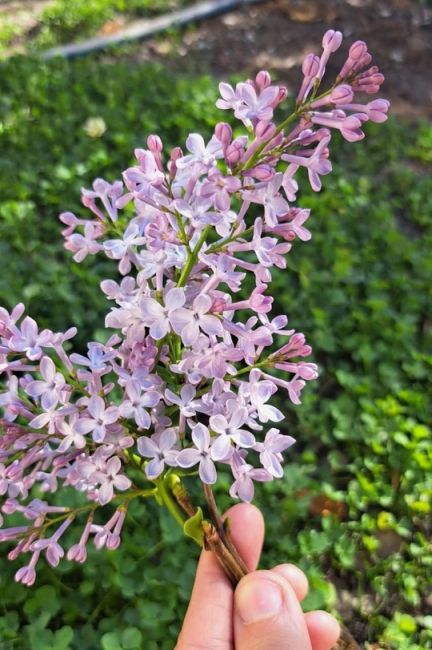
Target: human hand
{"x":263,"y":612}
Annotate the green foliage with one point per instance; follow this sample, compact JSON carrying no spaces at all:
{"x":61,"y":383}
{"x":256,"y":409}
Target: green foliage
{"x":354,"y":509}
{"x":65,"y":21}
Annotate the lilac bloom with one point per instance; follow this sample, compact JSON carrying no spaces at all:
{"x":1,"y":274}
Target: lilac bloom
{"x":109,"y":479}
{"x":100,"y":419}
{"x":230,"y":431}
{"x":51,"y":415}
{"x":268,"y":195}
{"x":83,"y":245}
{"x":256,"y":107}
{"x":53,"y":550}
{"x":10,"y":400}
{"x":189,"y":322}
{"x":219,"y":187}
{"x":27,"y":574}
{"x":71,"y":436}
{"x":97,"y":357}
{"x":120,"y":249}
{"x":108,"y":193}
{"x":29,"y":340}
{"x":245,"y":475}
{"x":317,"y":164}
{"x":202,"y":454}
{"x":291,"y":226}
{"x":230,"y":98}
{"x":157,"y":316}
{"x":161,"y":448}
{"x":136,"y":403}
{"x":271,"y":449}
{"x":259,"y":394}
{"x":200,"y":152}
{"x":53,"y":383}
{"x":184,"y":401}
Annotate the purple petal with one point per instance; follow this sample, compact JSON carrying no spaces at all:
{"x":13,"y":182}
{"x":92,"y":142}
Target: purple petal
{"x":207,"y":471}
{"x":221,"y":448}
{"x":188,"y":457}
{"x":201,"y":437}
{"x":154,"y":468}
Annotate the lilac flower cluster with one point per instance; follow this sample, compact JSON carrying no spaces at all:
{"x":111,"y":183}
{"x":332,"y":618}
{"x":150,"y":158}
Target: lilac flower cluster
{"x":184,"y":384}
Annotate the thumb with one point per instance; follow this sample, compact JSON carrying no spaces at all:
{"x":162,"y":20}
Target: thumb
{"x":267,"y":614}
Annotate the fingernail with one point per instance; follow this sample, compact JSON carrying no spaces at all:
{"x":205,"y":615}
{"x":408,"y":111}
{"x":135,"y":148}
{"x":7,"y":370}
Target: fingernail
{"x":257,"y":599}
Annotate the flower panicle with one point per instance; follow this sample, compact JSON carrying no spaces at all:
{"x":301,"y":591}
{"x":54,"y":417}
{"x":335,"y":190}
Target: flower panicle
{"x":186,"y":379}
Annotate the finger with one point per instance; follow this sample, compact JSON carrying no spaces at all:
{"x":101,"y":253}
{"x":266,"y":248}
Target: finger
{"x":324,"y":630}
{"x":267,"y":614}
{"x":295,"y":577}
{"x":208,"y":622}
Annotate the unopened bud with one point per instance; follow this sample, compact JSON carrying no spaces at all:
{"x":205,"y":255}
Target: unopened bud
{"x":265,"y":130}
{"x":223,"y":132}
{"x":282,"y":95}
{"x":154,"y":143}
{"x":232,"y":155}
{"x":357,"y":50}
{"x":332,"y":40}
{"x":263,"y":79}
{"x":342,"y":94}
{"x":310,"y":65}
{"x":176,"y":153}
{"x":262,"y":172}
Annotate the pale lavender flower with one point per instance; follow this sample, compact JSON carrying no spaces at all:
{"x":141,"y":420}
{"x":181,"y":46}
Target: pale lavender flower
{"x":158,"y":317}
{"x":270,"y":451}
{"x":161,"y":448}
{"x":29,"y":340}
{"x":100,"y":419}
{"x":200,"y":153}
{"x":189,"y":322}
{"x":245,"y":475}
{"x":110,"y":479}
{"x":201,"y":453}
{"x":53,"y":382}
{"x":229,"y":431}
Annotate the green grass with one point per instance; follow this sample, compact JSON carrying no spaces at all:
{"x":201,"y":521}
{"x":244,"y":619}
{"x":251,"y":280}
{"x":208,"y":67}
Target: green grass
{"x":354,"y":509}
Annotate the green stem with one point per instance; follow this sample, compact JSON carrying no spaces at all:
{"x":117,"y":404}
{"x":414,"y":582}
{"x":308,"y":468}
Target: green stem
{"x":192,"y":257}
{"x":170,"y":502}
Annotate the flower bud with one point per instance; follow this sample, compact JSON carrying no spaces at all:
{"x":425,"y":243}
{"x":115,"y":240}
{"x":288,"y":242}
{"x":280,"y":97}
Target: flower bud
{"x":176,"y":153}
{"x":262,"y":172}
{"x":265,"y":130}
{"x":232,"y":155}
{"x":310,"y":65}
{"x":154,"y":143}
{"x":357,"y":50}
{"x":283,"y":94}
{"x":263,"y":79}
{"x":332,"y":40}
{"x":223,"y":132}
{"x":342,"y":94}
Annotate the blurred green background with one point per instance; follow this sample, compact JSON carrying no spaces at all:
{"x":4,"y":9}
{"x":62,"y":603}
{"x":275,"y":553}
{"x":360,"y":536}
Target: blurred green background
{"x":354,"y":509}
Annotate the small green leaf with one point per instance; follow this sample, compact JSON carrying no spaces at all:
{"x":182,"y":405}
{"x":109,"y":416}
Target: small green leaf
{"x":192,"y":527}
